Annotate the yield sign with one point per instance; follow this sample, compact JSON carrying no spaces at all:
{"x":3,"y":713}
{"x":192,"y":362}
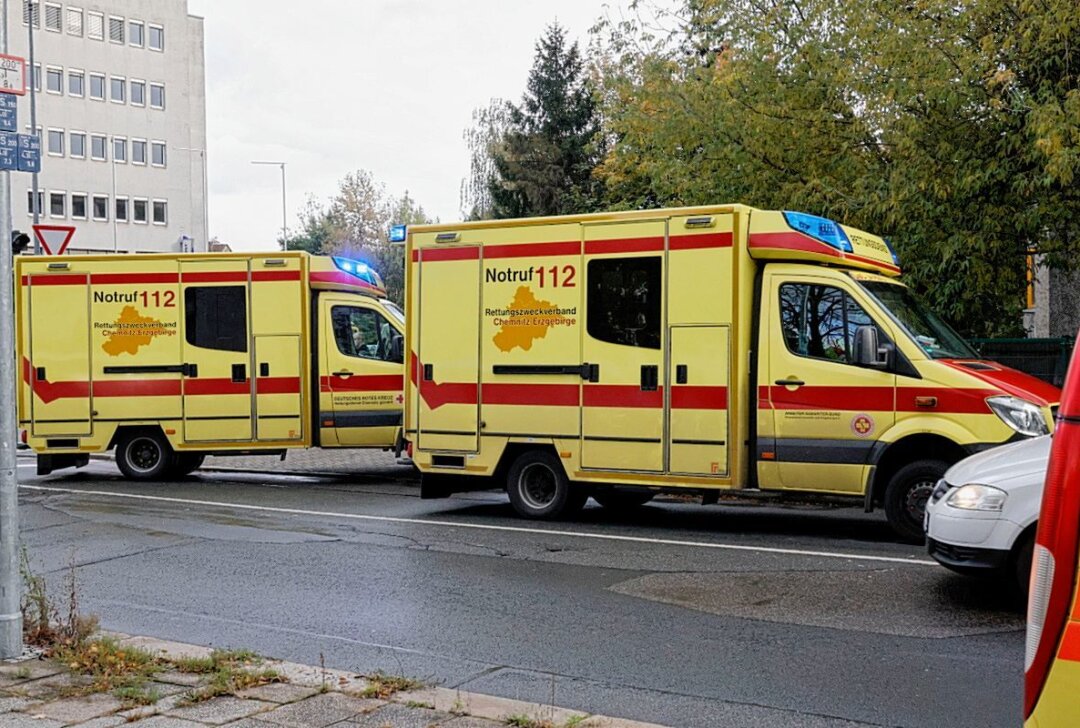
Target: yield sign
{"x":54,"y":238}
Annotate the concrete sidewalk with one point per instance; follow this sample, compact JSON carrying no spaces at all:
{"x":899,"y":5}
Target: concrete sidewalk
{"x":36,"y":693}
{"x":365,"y":464}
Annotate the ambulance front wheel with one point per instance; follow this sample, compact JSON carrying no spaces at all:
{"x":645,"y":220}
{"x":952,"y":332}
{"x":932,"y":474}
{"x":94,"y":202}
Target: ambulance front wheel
{"x":144,"y":455}
{"x":187,"y":463}
{"x":907,"y":494}
{"x":538,"y":487}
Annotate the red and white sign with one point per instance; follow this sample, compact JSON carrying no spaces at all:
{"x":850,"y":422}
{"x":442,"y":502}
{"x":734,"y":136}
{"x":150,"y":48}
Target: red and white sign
{"x":12,"y":75}
{"x":54,"y":239}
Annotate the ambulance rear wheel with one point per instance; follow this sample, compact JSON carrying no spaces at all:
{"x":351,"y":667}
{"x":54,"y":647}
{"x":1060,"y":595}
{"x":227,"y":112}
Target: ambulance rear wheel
{"x":907,"y":494}
{"x":187,"y":462}
{"x":144,"y":456}
{"x":538,"y":487}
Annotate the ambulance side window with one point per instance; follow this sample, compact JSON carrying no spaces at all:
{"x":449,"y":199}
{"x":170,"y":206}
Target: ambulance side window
{"x":820,"y":321}
{"x":624,"y":301}
{"x":216,"y":317}
{"x":361,"y":332}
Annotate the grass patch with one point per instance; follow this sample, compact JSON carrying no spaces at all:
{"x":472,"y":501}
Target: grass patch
{"x":109,"y":665}
{"x":228,"y":672}
{"x":23,"y":673}
{"x":134,"y":696}
{"x":382,"y":686}
{"x":419,"y":704}
{"x":524,"y":721}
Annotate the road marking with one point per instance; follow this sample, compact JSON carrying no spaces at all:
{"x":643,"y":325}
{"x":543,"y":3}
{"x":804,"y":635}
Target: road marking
{"x":489,"y":527}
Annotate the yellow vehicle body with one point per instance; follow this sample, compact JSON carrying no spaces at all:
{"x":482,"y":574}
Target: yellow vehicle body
{"x":213,"y":353}
{"x":648,"y":348}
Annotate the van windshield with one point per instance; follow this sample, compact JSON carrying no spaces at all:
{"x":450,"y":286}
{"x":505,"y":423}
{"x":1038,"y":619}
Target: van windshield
{"x":396,"y":312}
{"x":934,"y":336}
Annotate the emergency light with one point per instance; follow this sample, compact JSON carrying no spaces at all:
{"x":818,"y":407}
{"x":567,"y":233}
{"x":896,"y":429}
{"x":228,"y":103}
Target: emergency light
{"x":892,"y":251}
{"x":356,"y":268}
{"x":397,"y":234}
{"x":821,"y":229}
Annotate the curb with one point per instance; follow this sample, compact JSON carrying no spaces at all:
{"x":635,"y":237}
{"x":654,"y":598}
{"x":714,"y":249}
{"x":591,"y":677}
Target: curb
{"x":456,"y":702}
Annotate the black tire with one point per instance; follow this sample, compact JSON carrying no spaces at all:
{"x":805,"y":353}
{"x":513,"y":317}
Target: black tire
{"x":144,"y":456}
{"x":539,"y":489}
{"x":622,"y":500}
{"x":1023,"y":552}
{"x":185,"y":463}
{"x":906,"y":495}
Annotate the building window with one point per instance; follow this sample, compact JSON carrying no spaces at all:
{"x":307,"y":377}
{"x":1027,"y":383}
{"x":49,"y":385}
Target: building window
{"x":53,"y":17}
{"x":136,"y":33}
{"x":77,"y":139}
{"x":157,"y":154}
{"x":101,"y":208}
{"x":54,"y":80}
{"x":156,"y":37}
{"x":138,"y":211}
{"x":57,"y":204}
{"x":138,"y":93}
{"x":216,"y":317}
{"x":95,"y":26}
{"x":161,"y":208}
{"x":78,"y":206}
{"x":56,"y":142}
{"x":98,"y":147}
{"x":117,"y":89}
{"x":624,"y":297}
{"x":119,"y":149}
{"x":157,"y":96}
{"x":97,"y":86}
{"x":75,"y":21}
{"x":116,"y":29}
{"x":138,"y":151}
{"x":76,"y":83}
{"x":30,"y":202}
{"x":31,"y":9}
{"x":121,"y":209}
{"x":37,"y":77}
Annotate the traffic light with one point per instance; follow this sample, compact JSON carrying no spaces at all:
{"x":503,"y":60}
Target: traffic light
{"x":20,"y":241}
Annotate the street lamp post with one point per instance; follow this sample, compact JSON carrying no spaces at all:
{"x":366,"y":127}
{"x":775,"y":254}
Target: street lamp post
{"x":284,"y":206}
{"x":205,"y":194}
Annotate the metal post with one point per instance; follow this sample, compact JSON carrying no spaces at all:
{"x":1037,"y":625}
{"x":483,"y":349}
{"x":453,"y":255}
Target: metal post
{"x":33,"y":117}
{"x":10,"y":588}
{"x":284,"y":212}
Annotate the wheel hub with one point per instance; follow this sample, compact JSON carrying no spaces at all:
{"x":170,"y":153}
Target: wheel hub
{"x":538,"y":486}
{"x":918,"y":496}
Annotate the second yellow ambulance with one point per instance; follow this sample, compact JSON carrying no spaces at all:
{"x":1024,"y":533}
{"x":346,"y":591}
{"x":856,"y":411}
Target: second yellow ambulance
{"x":699,"y":349}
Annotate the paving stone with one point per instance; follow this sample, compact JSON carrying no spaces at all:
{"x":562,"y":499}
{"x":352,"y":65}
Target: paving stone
{"x":109,"y":721}
{"x":319,"y":711}
{"x":253,"y":723}
{"x":52,"y":685}
{"x":467,"y":721}
{"x":9,"y":704}
{"x":34,"y":669}
{"x":219,"y":711}
{"x":396,"y":715}
{"x":167,"y":648}
{"x":162,"y":706}
{"x":176,"y":677}
{"x":24,"y":720}
{"x":166,"y":721}
{"x":79,"y":710}
{"x":278,"y":692}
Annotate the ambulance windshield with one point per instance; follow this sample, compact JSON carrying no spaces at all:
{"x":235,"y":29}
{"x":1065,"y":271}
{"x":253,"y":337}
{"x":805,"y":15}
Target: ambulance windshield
{"x":394,"y":311}
{"x":933,"y":335}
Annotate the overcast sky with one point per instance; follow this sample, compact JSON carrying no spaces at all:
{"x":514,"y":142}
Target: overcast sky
{"x":332,"y":86}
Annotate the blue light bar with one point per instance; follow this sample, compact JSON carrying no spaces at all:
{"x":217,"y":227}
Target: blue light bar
{"x":821,"y":229}
{"x":397,"y":234}
{"x":356,"y":268}
{"x":892,"y":251}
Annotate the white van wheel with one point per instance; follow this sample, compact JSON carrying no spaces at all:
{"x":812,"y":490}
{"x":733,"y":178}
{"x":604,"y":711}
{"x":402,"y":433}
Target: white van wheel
{"x":538,"y":487}
{"x":144,"y":456}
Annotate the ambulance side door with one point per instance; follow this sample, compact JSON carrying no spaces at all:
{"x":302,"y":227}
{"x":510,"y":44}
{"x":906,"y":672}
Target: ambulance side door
{"x":820,"y":413}
{"x":361,"y":375}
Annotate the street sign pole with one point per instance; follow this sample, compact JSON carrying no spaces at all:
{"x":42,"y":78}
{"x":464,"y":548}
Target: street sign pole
{"x":10,"y":587}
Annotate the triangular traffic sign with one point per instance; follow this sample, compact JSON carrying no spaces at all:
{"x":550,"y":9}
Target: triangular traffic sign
{"x":54,"y":237}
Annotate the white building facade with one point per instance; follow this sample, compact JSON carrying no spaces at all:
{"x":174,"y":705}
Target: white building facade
{"x":121,"y":110}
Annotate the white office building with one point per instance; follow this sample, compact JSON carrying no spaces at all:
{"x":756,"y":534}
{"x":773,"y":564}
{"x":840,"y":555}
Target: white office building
{"x":121,"y":110}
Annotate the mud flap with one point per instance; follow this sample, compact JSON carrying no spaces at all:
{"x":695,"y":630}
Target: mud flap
{"x":46,"y":464}
{"x":433,"y":487}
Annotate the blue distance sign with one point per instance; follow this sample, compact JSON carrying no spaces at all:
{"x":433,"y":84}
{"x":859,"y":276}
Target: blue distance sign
{"x":29,"y":153}
{"x":9,"y":151}
{"x":9,"y":117}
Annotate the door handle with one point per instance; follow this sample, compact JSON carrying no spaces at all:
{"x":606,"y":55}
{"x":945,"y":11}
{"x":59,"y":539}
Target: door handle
{"x":39,"y":375}
{"x":682,"y":375}
{"x":189,"y":370}
{"x":650,"y":377}
{"x":344,"y":374}
{"x":239,"y":373}
{"x":264,"y":369}
{"x":790,"y":382}
{"x":429,"y":372}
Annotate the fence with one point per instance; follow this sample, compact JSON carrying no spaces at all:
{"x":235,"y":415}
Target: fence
{"x":1047,"y":359}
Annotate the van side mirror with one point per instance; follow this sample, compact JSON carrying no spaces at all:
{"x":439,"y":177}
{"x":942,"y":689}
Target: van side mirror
{"x":397,"y":349}
{"x":868,"y":350}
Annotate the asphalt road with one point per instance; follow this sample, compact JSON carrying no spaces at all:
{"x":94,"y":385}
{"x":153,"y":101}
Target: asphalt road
{"x":732,"y":615}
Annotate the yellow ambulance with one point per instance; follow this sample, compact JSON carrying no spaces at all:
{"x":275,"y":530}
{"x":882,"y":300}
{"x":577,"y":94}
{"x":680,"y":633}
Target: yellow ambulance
{"x":701,"y":349}
{"x":167,"y":358}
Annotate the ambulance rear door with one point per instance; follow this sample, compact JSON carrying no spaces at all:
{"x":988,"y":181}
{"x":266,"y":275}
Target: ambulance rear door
{"x":217,"y":351}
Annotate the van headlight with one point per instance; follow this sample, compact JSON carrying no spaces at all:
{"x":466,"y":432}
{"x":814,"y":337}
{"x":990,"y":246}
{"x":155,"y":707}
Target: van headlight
{"x":1024,"y":417}
{"x":975,"y":497}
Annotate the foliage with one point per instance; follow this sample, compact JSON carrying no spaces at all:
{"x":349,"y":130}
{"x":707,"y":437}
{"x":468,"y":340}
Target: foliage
{"x":355,"y":223}
{"x":538,"y":157}
{"x":489,"y":126}
{"x":952,"y":128}
{"x":382,"y":686}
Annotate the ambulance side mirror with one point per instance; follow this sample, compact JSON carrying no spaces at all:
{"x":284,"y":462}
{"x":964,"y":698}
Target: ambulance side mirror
{"x":397,"y":349}
{"x":868,"y":349}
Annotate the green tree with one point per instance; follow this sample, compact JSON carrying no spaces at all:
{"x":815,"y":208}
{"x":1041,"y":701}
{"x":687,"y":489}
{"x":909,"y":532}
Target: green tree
{"x":317,"y":233}
{"x":544,"y":160}
{"x":952,"y":128}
